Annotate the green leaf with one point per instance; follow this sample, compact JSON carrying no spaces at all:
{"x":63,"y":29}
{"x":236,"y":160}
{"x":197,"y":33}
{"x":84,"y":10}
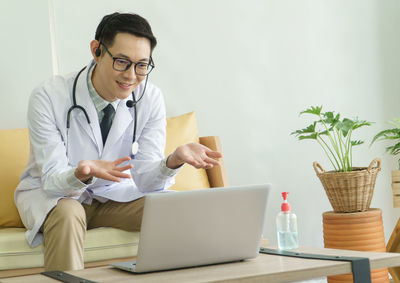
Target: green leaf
{"x":395,"y":149}
{"x":309,"y":137}
{"x":316,"y":110}
{"x":357,"y":142}
{"x":330,"y":117}
{"x":395,"y":122}
{"x":309,"y":129}
{"x":337,"y":118}
{"x":362,"y":123}
{"x":345,"y":126}
{"x":390,"y":134}
{"x":325,"y":132}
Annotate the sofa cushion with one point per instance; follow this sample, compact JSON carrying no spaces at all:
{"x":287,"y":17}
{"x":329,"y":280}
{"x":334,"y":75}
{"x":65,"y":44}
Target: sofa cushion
{"x":100,"y":244}
{"x":14,"y":153}
{"x":15,"y":150}
{"x":182,"y":130}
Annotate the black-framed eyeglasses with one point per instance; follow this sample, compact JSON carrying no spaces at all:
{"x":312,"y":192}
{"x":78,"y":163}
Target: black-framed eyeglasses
{"x":122,"y":64}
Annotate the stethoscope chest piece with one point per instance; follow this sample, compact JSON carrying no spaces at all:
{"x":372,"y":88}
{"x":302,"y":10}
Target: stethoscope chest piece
{"x":135,"y":148}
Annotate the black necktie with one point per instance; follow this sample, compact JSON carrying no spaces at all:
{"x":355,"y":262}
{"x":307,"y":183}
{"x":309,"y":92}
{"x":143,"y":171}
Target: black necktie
{"x":105,"y":124}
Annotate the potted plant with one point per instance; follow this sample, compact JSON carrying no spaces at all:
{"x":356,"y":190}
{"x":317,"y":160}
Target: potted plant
{"x":392,"y":134}
{"x":349,"y":189}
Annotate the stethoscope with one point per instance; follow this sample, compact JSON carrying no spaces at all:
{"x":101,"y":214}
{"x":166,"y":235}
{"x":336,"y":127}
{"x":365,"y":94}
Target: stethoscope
{"x":129,"y":104}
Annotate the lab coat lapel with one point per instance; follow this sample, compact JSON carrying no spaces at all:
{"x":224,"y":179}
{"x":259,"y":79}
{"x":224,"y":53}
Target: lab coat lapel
{"x":83,"y":99}
{"x":123,"y":118}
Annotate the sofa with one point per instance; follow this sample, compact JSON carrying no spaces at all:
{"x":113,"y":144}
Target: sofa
{"x":102,"y":245}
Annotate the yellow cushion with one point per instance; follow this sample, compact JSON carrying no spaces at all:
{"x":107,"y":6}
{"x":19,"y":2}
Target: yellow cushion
{"x":182,"y":130}
{"x":14,"y":153}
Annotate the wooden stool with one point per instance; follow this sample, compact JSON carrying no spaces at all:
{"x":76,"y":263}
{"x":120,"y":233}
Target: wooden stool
{"x":360,"y":231}
{"x":393,"y":246}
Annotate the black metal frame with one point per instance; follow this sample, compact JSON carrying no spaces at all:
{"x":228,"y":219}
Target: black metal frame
{"x":359,"y":265}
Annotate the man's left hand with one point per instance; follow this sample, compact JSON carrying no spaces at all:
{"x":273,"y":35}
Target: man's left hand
{"x":195,"y":154}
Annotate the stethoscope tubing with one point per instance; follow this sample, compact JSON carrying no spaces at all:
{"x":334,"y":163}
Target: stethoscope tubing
{"x":77,"y":106}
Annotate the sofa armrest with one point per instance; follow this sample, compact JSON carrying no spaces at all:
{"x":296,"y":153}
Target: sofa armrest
{"x":217,"y":176}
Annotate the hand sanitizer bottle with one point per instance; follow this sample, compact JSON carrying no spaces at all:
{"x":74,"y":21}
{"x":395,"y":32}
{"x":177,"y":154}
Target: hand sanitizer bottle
{"x":286,"y":226}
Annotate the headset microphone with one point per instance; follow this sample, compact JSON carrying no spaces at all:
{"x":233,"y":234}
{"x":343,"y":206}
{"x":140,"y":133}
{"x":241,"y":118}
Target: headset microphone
{"x":130,"y":103}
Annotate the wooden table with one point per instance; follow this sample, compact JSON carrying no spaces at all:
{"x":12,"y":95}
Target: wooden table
{"x":264,"y":268}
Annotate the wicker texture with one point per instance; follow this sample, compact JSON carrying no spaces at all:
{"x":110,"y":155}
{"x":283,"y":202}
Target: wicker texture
{"x":349,"y":191}
{"x":396,"y":187}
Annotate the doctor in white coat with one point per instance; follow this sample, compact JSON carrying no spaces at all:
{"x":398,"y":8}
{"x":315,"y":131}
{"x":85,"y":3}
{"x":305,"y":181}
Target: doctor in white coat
{"x":88,"y":174}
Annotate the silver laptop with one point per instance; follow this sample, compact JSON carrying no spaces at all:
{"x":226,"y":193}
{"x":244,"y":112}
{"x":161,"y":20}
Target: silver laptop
{"x":200,"y":227}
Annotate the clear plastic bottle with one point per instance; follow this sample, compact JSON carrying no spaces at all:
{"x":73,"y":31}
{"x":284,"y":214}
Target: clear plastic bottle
{"x":286,"y":226}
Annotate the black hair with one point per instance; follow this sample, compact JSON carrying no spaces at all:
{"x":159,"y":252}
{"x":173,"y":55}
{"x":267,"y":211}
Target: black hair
{"x":114,"y":23}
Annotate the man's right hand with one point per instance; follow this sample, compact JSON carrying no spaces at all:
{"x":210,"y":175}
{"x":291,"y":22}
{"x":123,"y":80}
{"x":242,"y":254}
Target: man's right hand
{"x":107,"y":170}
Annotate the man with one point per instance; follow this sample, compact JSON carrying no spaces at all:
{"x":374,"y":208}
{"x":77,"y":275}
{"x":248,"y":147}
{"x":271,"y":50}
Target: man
{"x":83,"y":128}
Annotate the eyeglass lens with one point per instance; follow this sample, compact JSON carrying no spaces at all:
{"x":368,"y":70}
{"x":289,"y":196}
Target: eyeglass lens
{"x":141,"y":68}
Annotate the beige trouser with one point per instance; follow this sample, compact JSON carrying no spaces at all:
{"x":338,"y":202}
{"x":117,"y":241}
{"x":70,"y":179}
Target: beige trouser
{"x":65,"y":227}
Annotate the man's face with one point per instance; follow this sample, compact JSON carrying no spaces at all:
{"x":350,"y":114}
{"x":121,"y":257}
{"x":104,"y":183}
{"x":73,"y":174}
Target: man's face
{"x":112,"y":84}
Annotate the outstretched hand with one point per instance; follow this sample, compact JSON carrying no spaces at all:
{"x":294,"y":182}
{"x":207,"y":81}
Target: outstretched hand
{"x":195,"y":154}
{"x":107,"y":170}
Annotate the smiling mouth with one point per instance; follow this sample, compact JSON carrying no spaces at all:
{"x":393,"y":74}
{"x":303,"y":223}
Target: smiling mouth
{"x":124,"y":85}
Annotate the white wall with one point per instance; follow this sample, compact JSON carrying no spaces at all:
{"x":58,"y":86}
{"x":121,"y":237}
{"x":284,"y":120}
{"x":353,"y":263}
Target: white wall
{"x":248,"y":68}
{"x":24,"y":56}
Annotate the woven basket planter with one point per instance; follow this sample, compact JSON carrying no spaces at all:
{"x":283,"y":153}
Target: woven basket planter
{"x":396,"y":187}
{"x":349,"y":191}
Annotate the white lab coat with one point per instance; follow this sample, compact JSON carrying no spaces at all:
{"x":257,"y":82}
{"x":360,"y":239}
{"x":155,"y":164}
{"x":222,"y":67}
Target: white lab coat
{"x":44,"y":180}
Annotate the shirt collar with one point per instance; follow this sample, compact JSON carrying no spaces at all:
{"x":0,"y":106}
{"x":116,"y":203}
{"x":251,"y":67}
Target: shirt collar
{"x":98,"y":101}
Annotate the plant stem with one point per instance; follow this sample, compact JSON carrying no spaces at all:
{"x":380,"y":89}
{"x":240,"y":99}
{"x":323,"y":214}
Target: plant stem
{"x":341,"y":145}
{"x":350,"y":150}
{"x":327,"y":154}
{"x":333,"y":142}
{"x":343,"y":151}
{"x":332,"y":153}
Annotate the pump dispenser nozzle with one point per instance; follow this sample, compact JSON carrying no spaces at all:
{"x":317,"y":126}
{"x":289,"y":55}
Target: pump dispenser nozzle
{"x":285,"y":205}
